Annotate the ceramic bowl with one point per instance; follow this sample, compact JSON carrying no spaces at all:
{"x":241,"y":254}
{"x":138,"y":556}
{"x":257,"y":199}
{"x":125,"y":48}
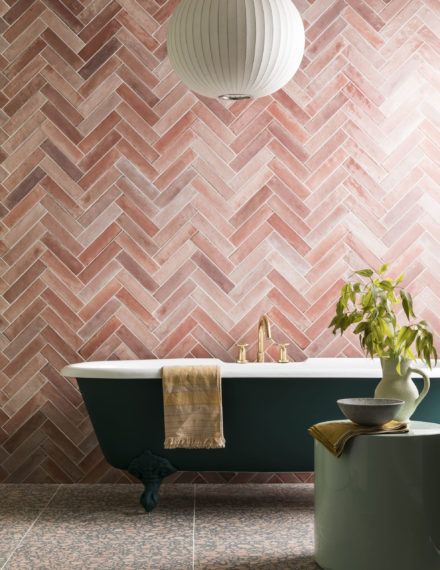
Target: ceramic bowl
{"x":370,"y":411}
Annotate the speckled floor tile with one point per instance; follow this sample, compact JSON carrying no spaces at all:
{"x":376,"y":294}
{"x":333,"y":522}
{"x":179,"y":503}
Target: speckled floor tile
{"x":25,"y":497}
{"x":19,"y":508}
{"x":107,"y":540}
{"x":103,"y":528}
{"x":117,"y":497}
{"x":280,"y":496}
{"x":247,"y":527}
{"x":13,"y":526}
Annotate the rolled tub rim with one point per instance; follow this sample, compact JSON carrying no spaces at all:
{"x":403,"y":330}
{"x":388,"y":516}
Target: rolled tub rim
{"x":316,"y":367}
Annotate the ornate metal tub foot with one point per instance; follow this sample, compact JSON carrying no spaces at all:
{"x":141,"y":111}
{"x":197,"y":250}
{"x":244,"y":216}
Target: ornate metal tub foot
{"x":150,"y":469}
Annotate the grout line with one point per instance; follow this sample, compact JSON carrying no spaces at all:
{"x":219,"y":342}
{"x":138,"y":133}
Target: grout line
{"x":30,"y":528}
{"x":194,"y":529}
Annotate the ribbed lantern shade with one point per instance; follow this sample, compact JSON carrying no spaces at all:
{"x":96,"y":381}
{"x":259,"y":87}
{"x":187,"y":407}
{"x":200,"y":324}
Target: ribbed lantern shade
{"x":235,"y":49}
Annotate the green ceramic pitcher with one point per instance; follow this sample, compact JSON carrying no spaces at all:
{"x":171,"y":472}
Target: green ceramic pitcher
{"x":401,"y":386}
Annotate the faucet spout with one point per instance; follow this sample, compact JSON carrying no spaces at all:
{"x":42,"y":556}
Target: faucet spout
{"x":264,"y":331}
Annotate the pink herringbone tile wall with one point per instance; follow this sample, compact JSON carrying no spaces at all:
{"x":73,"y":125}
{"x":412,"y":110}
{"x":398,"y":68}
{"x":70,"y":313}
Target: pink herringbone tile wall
{"x":139,"y":220}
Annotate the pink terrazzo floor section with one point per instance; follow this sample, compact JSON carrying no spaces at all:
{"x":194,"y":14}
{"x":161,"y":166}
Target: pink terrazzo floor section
{"x":209,"y":527}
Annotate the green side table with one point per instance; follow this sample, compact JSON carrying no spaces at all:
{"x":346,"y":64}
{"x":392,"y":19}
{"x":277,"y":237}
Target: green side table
{"x":377,"y":507}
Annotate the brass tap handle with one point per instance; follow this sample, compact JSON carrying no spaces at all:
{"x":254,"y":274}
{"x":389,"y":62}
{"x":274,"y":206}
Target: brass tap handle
{"x":283,"y":353}
{"x":242,"y":353}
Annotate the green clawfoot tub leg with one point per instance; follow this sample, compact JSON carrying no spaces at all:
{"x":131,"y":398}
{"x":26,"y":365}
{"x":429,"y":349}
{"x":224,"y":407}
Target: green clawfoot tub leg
{"x":150,"y":469}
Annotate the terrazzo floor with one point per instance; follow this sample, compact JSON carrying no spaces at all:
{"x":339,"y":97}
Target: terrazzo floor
{"x":208,"y":527}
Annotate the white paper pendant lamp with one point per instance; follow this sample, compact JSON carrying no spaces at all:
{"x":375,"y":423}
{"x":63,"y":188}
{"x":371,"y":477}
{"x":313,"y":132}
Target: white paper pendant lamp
{"x":235,"y":49}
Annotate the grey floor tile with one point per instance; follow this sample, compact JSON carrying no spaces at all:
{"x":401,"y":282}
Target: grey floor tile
{"x":25,"y":497}
{"x":13,"y":526}
{"x":19,"y":507}
{"x":115,"y":497}
{"x":263,"y":527}
{"x":281,"y":496}
{"x":102,"y":528}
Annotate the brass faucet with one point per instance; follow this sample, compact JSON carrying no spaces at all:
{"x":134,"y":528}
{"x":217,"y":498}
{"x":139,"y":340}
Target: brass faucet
{"x":263,"y":332}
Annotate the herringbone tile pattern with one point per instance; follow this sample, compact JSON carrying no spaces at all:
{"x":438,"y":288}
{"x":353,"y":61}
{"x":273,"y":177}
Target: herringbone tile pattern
{"x":139,"y":220}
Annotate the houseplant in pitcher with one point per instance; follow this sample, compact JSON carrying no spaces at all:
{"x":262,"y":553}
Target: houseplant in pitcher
{"x":369,"y":304}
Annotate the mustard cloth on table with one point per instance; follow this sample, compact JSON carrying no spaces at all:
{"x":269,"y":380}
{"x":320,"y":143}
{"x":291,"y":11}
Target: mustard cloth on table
{"x":193,"y":413}
{"x":334,"y":435}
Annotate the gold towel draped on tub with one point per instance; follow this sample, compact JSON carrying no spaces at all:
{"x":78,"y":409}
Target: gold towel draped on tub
{"x":192,"y":401}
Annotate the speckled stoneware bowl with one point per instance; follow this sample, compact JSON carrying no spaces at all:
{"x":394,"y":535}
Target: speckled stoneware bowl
{"x":370,"y":411}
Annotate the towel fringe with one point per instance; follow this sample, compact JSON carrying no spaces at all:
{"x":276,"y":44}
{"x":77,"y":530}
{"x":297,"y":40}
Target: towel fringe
{"x":192,"y":443}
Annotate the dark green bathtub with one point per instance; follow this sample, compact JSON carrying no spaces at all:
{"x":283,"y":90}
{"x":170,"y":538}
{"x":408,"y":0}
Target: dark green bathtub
{"x":265,"y":420}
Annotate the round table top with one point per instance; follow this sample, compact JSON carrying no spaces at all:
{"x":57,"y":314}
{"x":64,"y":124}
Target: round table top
{"x":416,"y":429}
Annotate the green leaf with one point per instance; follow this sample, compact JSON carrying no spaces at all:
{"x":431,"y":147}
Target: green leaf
{"x":387,"y":330}
{"x":345,"y":295}
{"x":360,"y":327}
{"x":365,"y":272}
{"x":369,"y":308}
{"x":410,"y":337}
{"x":401,"y":335}
{"x":410,"y":302}
{"x":387,"y":284}
{"x":408,"y":353}
{"x":366,"y":298}
{"x":405,"y":303}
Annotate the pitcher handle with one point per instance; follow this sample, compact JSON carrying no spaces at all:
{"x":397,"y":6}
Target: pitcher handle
{"x":426,"y":383}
